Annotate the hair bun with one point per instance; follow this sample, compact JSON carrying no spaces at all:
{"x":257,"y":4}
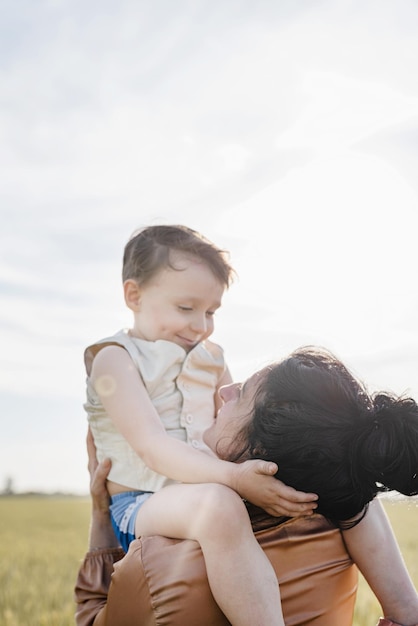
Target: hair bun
{"x":394,"y":442}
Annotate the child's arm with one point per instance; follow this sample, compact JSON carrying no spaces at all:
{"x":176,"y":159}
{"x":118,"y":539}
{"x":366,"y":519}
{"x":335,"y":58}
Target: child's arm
{"x":124,"y":397}
{"x":373,"y":547}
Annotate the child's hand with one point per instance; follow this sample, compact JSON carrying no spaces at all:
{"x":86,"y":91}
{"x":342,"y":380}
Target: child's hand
{"x":255,"y":482}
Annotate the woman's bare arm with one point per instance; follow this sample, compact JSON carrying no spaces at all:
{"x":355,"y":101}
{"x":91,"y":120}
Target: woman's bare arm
{"x":373,"y":547}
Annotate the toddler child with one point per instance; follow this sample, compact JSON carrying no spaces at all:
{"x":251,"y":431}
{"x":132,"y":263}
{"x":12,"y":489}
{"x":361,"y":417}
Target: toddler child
{"x":151,"y":393}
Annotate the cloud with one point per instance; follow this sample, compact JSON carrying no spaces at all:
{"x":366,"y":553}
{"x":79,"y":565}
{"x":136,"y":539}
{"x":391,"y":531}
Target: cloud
{"x":281,"y":130}
{"x":341,"y":112}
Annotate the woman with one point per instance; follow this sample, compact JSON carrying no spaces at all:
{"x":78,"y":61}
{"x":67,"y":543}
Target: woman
{"x":310,"y":416}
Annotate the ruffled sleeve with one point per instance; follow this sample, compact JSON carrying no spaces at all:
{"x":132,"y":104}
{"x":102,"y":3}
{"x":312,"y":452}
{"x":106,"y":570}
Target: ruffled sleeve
{"x":92,"y":585}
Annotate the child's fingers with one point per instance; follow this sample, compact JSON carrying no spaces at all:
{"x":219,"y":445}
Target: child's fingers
{"x":289,"y":493}
{"x":266,"y":467}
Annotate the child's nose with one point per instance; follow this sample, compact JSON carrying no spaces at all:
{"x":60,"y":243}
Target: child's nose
{"x":199,"y":323}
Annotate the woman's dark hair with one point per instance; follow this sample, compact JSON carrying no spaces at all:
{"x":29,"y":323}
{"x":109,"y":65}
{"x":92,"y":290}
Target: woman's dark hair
{"x":329,"y":436}
{"x":148,"y":251}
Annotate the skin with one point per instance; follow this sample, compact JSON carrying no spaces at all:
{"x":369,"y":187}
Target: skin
{"x":101,"y":533}
{"x":237,"y":404}
{"x":178,"y":305}
{"x":380,"y":562}
{"x":371,"y":543}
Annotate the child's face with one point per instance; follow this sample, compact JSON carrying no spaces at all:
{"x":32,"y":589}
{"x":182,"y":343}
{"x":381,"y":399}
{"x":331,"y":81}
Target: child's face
{"x":179,"y":304}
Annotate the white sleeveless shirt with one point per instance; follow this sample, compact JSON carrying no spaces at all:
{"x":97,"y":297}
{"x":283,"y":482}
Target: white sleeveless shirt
{"x":181,"y":386}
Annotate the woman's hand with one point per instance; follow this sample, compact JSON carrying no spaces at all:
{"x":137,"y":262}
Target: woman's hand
{"x":101,"y":530}
{"x":98,"y":474}
{"x":255,"y":482}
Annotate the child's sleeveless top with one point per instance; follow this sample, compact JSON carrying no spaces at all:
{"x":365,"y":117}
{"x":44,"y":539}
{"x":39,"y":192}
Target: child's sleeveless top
{"x":181,"y":386}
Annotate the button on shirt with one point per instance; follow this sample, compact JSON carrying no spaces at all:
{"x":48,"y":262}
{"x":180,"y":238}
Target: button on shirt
{"x":181,"y":386}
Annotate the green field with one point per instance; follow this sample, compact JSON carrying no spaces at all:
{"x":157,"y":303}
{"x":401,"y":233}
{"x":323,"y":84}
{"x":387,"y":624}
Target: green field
{"x":42,"y":541}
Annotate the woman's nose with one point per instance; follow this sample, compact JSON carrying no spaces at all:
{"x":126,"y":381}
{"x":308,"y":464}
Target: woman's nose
{"x":228,"y":392}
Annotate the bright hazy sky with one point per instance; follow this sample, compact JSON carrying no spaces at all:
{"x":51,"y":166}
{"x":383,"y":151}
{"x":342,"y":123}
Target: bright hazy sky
{"x":287,"y":132}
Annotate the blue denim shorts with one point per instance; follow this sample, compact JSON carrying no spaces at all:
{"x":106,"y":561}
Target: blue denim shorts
{"x":123,"y":511}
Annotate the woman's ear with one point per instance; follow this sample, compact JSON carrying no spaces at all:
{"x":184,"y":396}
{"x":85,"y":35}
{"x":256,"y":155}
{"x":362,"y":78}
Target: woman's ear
{"x":258,"y":452}
{"x":132,"y":292}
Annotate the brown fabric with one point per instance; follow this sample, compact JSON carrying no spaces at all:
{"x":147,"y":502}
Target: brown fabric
{"x":387,"y":622}
{"x":93,"y":582}
{"x":163,"y":582}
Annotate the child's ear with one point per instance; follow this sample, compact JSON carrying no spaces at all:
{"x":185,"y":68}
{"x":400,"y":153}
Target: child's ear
{"x":132,"y":292}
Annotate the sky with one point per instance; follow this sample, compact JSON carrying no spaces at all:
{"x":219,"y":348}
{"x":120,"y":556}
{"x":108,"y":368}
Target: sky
{"x":286,"y":132}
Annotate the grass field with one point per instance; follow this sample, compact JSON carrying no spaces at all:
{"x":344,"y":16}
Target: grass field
{"x":42,"y":541}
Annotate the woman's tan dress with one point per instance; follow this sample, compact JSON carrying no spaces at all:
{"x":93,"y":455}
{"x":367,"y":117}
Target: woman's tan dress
{"x":163,"y":581}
